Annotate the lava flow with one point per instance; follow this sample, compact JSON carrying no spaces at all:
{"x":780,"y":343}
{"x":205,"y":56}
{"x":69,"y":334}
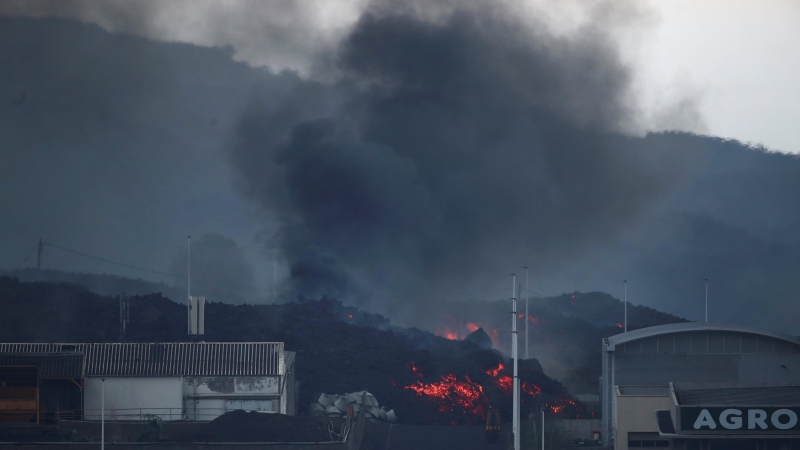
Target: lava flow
{"x":454,"y":329}
{"x":506,"y":383}
{"x":450,"y":393}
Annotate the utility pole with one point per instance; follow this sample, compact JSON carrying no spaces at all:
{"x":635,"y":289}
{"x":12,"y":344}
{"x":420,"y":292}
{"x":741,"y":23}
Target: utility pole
{"x":706,"y":300}
{"x":189,"y":282}
{"x":542,"y":428}
{"x":189,"y":267}
{"x":102,"y":414}
{"x":527,"y":317}
{"x":39,"y":256}
{"x":625,"y":282}
{"x":514,"y":353}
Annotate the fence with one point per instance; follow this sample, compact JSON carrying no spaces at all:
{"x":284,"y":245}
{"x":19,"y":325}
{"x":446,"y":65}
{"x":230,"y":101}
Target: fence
{"x":148,"y":414}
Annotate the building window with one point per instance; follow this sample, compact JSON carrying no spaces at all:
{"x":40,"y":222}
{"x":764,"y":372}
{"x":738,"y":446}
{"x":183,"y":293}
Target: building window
{"x":634,"y":443}
{"x":662,"y":443}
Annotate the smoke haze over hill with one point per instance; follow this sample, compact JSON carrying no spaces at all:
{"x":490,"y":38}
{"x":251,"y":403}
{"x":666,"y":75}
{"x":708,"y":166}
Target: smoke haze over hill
{"x":435,"y":149}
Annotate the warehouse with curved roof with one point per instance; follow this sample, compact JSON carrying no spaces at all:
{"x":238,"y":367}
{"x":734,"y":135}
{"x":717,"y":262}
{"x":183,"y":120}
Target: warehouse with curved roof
{"x":641,"y":367}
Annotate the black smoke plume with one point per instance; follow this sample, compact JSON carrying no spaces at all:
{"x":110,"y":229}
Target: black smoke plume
{"x":451,"y":150}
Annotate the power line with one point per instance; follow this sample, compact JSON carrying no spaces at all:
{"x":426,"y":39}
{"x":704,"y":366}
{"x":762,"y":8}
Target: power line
{"x":150,"y":270}
{"x":26,"y":258}
{"x":112,"y":262}
{"x":534,"y":293}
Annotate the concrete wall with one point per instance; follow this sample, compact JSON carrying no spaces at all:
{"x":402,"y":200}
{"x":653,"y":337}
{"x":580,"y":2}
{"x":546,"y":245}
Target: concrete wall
{"x":661,"y":369}
{"x":636,"y":414}
{"x":134,"y":398}
{"x":206,"y":398}
{"x":581,"y":428}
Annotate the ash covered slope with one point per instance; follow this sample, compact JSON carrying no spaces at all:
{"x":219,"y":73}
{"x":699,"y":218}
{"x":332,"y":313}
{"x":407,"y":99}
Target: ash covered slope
{"x":424,"y":378}
{"x":564,"y":331}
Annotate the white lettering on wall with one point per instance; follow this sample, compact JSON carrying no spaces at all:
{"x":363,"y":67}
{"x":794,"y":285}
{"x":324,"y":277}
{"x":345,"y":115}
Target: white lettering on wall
{"x":776,"y":419}
{"x":756,"y":417}
{"x":705,"y":420}
{"x":731,"y":419}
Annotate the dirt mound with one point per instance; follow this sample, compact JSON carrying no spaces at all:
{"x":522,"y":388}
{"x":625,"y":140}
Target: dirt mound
{"x":243,"y":426}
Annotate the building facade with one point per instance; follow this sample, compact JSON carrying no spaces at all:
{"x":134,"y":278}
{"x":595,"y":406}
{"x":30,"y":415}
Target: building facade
{"x":639,"y":366}
{"x":141,"y":381}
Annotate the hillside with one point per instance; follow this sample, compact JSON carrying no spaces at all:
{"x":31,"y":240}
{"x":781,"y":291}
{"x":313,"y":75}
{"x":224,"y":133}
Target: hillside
{"x":565,"y":330}
{"x":339,"y":349}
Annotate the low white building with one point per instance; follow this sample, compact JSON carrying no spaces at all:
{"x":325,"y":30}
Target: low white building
{"x":179,"y":381}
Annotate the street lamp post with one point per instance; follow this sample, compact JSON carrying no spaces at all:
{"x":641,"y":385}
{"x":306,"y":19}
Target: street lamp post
{"x":102,"y":414}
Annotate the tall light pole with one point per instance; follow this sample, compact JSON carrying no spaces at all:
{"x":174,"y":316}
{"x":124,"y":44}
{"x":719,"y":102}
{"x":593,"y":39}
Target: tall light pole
{"x":527,"y":318}
{"x":189,"y":282}
{"x":706,"y":300}
{"x":102,"y":414}
{"x":189,"y":268}
{"x":625,"y":282}
{"x":515,"y":420}
{"x":542,"y":428}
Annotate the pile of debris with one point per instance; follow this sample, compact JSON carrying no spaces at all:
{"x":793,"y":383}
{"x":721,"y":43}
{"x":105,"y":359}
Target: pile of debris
{"x":256,"y":426}
{"x":350,"y":405}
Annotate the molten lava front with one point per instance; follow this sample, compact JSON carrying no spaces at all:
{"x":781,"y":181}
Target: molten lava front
{"x":451,"y":394}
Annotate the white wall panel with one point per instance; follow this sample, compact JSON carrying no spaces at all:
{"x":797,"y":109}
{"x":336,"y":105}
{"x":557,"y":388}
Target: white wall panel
{"x":134,"y":398}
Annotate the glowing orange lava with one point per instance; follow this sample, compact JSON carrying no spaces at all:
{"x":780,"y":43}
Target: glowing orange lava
{"x":530,"y":388}
{"x":533,"y":319}
{"x":450,"y":393}
{"x":493,"y":372}
{"x":472,"y":327}
{"x":506,"y":384}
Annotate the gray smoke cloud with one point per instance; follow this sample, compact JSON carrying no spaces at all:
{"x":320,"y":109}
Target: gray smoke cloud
{"x":457,"y":148}
{"x":434,"y":148}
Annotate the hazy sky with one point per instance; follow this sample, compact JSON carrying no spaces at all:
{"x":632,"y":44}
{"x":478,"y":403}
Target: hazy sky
{"x":737,"y":59}
{"x":741,"y":57}
{"x":389,"y":151}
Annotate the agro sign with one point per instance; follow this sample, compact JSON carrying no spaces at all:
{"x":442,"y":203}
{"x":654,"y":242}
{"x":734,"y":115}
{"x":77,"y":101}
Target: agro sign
{"x":753,"y":419}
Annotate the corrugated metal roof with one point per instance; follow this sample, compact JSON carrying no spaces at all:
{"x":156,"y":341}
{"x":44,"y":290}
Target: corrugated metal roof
{"x":742,"y":396}
{"x":613,"y":341}
{"x":169,"y":358}
{"x":51,"y":365}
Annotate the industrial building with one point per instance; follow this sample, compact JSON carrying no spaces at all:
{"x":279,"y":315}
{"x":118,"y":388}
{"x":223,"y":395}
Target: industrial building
{"x":171,"y":381}
{"x":656,"y":379}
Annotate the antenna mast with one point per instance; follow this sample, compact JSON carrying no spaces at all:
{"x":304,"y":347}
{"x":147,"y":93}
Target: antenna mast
{"x":39,"y":255}
{"x":625,"y":282}
{"x":527,"y":317}
{"x":514,"y":353}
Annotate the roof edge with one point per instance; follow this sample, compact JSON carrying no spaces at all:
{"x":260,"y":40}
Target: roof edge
{"x":684,"y":327}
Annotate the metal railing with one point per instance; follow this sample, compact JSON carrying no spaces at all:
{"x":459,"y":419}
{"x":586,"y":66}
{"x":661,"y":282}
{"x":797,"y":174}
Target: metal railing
{"x":149,"y":414}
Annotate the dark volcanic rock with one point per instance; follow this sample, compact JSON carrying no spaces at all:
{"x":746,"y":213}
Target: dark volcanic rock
{"x":243,"y":426}
{"x":480,"y":338}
